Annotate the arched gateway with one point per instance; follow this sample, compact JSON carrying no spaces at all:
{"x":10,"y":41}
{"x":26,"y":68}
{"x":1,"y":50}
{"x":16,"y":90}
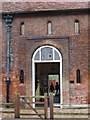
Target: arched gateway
{"x":47,"y":69}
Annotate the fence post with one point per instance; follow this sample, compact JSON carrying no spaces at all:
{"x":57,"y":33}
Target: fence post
{"x":45,"y":105}
{"x":17,"y":105}
{"x":51,"y":106}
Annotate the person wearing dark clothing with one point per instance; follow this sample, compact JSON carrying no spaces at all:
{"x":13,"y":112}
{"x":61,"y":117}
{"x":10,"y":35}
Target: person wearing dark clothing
{"x":57,"y":88}
{"x":51,"y":87}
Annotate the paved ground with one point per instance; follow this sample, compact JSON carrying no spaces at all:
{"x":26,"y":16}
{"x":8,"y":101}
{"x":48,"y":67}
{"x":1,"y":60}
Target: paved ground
{"x":50,"y":119}
{"x":58,"y":113}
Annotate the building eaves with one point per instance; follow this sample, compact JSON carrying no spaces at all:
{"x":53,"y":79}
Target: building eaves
{"x":24,"y":7}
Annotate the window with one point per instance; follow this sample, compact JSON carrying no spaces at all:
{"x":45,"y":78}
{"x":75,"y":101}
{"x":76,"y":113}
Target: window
{"x":21,"y":76}
{"x":49,"y":29}
{"x":77,"y":27}
{"x":46,"y":53}
{"x":78,"y":76}
{"x":22,"y":28}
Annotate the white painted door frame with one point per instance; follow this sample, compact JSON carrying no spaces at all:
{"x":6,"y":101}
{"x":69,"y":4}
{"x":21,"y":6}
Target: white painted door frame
{"x":46,"y":61}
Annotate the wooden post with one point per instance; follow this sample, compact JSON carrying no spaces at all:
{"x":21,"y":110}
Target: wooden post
{"x":17,"y":106}
{"x":51,"y":106}
{"x":45,"y":105}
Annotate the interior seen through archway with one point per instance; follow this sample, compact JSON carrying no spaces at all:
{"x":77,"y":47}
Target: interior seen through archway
{"x":47,"y":79}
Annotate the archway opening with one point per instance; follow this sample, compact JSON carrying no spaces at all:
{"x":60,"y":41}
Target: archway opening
{"x":47,"y":70}
{"x":46,"y":75}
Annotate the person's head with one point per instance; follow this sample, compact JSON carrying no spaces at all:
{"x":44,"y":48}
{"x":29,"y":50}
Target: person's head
{"x":51,"y":83}
{"x":56,"y":83}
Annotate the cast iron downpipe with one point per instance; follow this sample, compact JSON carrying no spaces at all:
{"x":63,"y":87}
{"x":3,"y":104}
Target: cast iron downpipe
{"x":8,"y":29}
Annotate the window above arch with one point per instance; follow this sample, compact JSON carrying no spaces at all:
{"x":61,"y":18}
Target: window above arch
{"x":77,"y":27}
{"x":49,"y":27}
{"x":47,"y":53}
{"x":22,"y":26}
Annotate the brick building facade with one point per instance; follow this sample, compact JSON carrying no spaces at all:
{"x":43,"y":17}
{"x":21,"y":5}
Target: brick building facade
{"x":47,"y":39}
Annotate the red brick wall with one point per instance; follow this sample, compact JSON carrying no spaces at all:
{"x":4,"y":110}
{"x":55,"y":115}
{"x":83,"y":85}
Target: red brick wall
{"x":74,"y":51}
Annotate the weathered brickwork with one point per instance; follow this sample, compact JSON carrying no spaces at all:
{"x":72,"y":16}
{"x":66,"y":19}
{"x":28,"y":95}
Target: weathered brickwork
{"x":74,"y":50}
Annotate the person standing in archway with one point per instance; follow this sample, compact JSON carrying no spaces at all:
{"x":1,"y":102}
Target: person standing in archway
{"x":51,"y":87}
{"x":57,"y":88}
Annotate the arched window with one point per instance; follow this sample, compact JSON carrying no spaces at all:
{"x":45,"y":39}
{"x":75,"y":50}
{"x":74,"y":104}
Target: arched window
{"x":49,"y":27}
{"x":21,"y":76}
{"x":47,"y":53}
{"x":77,"y":27}
{"x":22,"y":28}
{"x":78,"y":76}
